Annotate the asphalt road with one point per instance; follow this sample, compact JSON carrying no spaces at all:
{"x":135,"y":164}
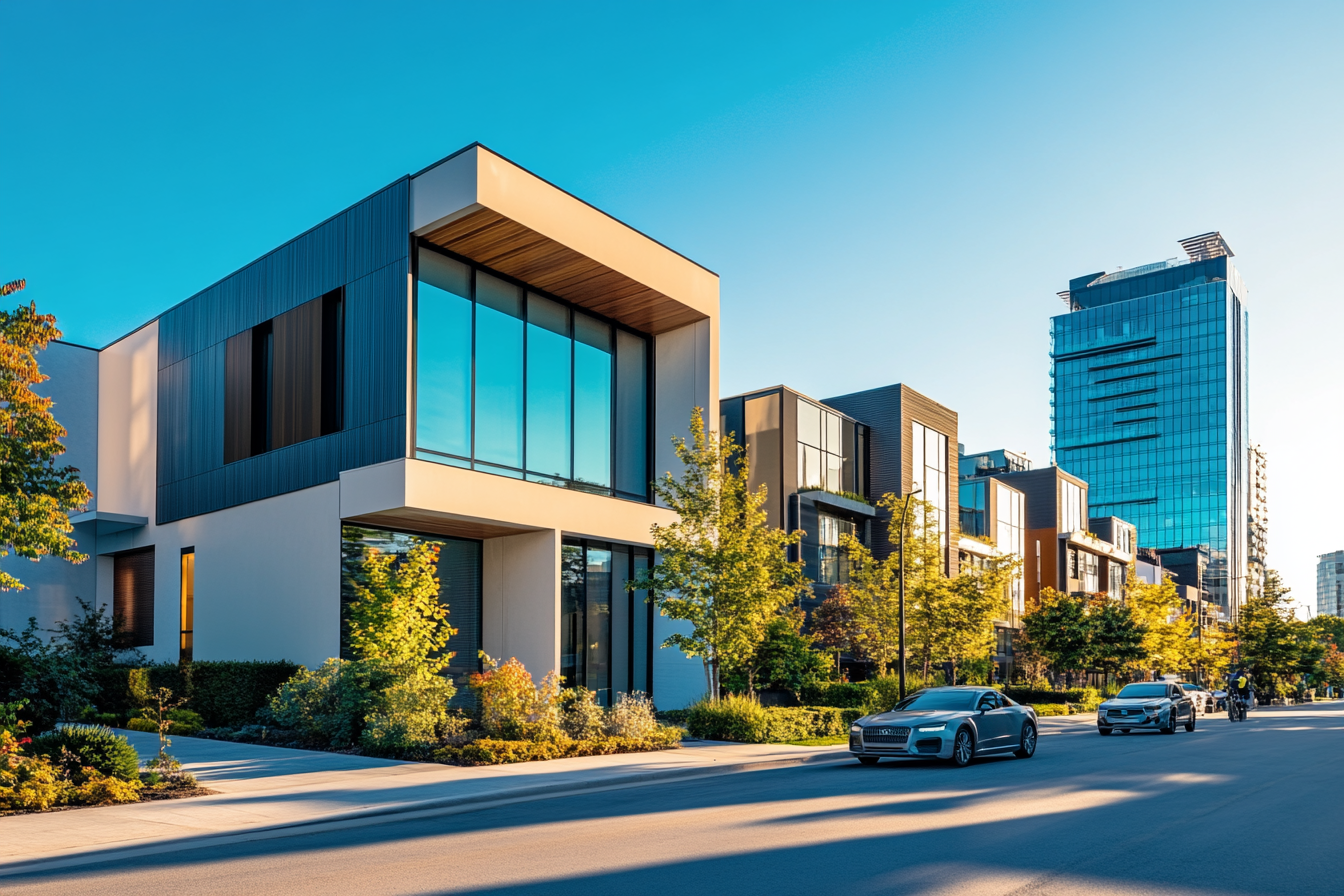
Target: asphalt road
{"x":1230,"y":809}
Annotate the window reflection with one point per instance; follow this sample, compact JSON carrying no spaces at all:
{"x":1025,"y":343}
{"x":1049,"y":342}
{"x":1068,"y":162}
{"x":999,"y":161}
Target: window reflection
{"x":510,"y":382}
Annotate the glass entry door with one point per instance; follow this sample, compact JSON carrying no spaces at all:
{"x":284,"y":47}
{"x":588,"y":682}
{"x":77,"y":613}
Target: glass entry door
{"x":606,"y":632}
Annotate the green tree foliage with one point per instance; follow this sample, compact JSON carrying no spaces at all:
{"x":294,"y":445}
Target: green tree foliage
{"x":1075,"y":632}
{"x":784,"y":660}
{"x":36,"y":495}
{"x":835,"y":626}
{"x":947,"y":619}
{"x":1117,"y":638}
{"x":397,"y":622}
{"x":722,"y":568}
{"x":1167,"y":641}
{"x":1268,"y":635}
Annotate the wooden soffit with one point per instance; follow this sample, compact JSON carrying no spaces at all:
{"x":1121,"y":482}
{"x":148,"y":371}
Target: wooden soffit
{"x":487,"y":237}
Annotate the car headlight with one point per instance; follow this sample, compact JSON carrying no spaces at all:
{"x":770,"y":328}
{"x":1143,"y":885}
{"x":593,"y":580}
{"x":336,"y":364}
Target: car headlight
{"x":927,"y":729}
{"x":855,"y":729}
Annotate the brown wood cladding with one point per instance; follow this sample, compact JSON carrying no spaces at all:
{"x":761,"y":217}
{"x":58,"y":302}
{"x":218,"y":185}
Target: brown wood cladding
{"x":920,"y":408}
{"x":296,"y":394}
{"x":133,"y":597}
{"x":497,"y":242}
{"x":238,"y":397}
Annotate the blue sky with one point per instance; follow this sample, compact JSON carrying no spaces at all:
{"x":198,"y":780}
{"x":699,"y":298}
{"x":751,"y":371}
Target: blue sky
{"x":890,"y":193}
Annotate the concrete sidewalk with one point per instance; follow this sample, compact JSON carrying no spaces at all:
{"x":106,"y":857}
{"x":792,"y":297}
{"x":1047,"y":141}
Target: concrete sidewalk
{"x":263,"y":789}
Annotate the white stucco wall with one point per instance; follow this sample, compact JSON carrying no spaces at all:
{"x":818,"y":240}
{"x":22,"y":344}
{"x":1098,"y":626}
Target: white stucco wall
{"x":520,"y":600}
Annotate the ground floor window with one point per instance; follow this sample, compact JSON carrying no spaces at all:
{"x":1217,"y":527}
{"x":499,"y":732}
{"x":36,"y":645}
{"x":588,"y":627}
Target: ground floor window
{"x":188,"y":610}
{"x":133,"y":597}
{"x":606,"y":632}
{"x":459,"y":589}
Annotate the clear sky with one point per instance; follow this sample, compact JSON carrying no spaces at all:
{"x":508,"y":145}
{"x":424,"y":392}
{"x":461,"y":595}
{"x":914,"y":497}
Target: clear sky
{"x":890,"y":193}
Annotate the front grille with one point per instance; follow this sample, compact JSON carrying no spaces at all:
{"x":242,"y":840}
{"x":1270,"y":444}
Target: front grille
{"x":885,"y":735}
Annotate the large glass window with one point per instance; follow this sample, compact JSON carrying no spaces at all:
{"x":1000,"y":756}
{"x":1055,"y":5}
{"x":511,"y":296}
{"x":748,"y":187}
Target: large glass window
{"x":606,"y":632}
{"x":832,"y":565}
{"x":1072,"y":507}
{"x":825,"y":450}
{"x":188,"y":609}
{"x":1010,"y":529}
{"x":763,"y":438}
{"x":929,"y":474}
{"x":512,"y":382}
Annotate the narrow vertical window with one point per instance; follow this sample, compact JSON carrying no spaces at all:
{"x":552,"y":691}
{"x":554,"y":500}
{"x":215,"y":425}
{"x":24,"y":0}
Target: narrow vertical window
{"x":499,"y":372}
{"x":188,"y":604}
{"x":632,"y":419}
{"x":548,"y":392}
{"x":443,"y":356}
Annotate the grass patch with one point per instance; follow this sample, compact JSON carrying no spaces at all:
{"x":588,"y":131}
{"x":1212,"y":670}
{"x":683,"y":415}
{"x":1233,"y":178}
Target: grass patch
{"x":820,"y":741}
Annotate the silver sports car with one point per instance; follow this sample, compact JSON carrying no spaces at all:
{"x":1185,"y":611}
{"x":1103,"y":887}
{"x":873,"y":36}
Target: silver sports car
{"x":957,"y":723}
{"x":1154,"y":705}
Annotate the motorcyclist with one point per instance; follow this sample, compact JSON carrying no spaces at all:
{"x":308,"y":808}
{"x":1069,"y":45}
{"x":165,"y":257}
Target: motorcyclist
{"x":1239,"y":683}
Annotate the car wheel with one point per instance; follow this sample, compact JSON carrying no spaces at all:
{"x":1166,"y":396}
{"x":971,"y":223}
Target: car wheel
{"x":1190,"y":725}
{"x":1027,"y":743}
{"x":963,"y":748}
{"x":1170,"y":727}
{"x":868,"y":760}
{"x":1104,"y":732}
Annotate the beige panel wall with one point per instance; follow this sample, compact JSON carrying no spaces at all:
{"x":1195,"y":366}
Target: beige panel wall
{"x":520,"y":600}
{"x":128,"y":396}
{"x":472,"y":497}
{"x":478,"y":178}
{"x":686,"y":376}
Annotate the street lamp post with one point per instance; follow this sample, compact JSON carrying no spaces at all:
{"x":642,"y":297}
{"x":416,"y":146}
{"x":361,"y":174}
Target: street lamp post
{"x":901,"y":605}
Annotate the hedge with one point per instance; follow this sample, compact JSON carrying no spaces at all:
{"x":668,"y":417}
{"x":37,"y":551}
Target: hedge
{"x":745,"y":721}
{"x":492,"y":751}
{"x":226,"y":693}
{"x":1085,"y":696}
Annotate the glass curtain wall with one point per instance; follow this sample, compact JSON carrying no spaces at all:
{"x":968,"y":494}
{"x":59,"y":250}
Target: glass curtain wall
{"x":972,"y":507}
{"x":929,"y":474}
{"x":832,"y":564}
{"x":606,"y":632}
{"x":512,"y":382}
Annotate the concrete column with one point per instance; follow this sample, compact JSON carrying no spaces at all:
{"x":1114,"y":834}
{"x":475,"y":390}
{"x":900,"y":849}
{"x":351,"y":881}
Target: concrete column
{"x":520,"y":600}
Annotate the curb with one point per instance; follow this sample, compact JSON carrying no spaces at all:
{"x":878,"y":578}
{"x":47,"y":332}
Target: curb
{"x":417,"y":808}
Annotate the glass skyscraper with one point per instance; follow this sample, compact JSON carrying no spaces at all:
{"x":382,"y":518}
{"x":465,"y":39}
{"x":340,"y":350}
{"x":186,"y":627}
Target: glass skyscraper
{"x":1149,"y":404}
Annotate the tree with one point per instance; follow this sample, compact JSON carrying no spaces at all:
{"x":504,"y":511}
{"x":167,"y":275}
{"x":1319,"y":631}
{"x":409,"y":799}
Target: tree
{"x":722,"y":568}
{"x":1267,"y":637}
{"x":396,"y":619}
{"x":1167,"y":640}
{"x":835,"y":627}
{"x":1117,"y":638}
{"x":784,"y":660}
{"x":1058,"y":629}
{"x":36,"y":496}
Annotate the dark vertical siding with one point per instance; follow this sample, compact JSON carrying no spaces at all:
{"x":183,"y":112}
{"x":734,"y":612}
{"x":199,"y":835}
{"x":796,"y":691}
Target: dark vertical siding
{"x":133,"y":597}
{"x":366,"y":250}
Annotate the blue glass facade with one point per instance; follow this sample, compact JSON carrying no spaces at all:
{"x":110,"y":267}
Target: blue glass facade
{"x":1149,"y":406}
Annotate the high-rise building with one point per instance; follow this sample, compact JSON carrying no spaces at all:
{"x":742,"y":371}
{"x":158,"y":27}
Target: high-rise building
{"x":1257,"y":522}
{"x":1330,"y":584}
{"x":1149,"y":404}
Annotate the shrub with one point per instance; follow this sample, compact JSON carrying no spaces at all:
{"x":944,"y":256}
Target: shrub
{"x":848,"y":694}
{"x":224,"y":693}
{"x":185,"y":722}
{"x":408,"y":715}
{"x":632,"y":717}
{"x":493,"y":751}
{"x":580,"y":716}
{"x":91,"y":746}
{"x":746,"y":721}
{"x":511,"y":706}
{"x":139,"y":723}
{"x":327,"y":704}
{"x":35,"y":783}
{"x":1050,"y":709}
{"x":104,"y":790}
{"x":1090,"y":697}
{"x":733,"y":717}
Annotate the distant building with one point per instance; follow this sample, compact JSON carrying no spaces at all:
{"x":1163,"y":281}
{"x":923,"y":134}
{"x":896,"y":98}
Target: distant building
{"x":913,"y":445}
{"x":813,"y":462}
{"x":1149,"y":403}
{"x":1257,"y":523}
{"x":987,"y":463}
{"x":1061,"y":550}
{"x":1330,"y":584}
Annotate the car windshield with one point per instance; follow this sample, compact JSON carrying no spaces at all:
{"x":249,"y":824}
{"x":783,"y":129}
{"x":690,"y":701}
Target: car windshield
{"x":1131,"y":691}
{"x":937,"y":700}
{"x":1190,"y":687}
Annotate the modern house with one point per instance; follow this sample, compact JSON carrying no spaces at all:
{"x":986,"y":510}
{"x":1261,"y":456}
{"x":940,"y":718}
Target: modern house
{"x":1060,"y":549}
{"x":1149,"y":404}
{"x":912,"y":445}
{"x":813,"y":462}
{"x":470,"y":356}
